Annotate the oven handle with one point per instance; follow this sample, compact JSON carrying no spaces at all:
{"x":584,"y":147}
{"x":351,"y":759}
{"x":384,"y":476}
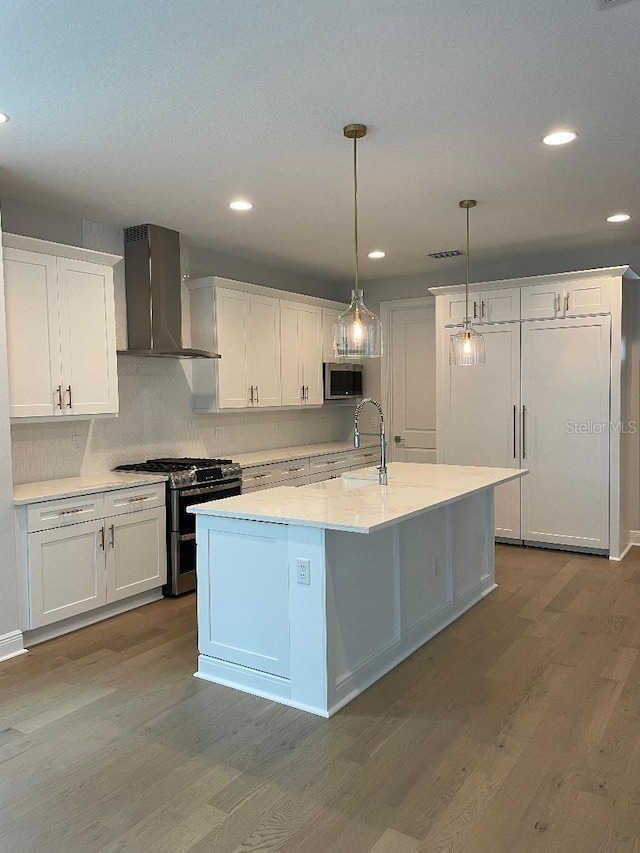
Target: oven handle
{"x":230,"y":484}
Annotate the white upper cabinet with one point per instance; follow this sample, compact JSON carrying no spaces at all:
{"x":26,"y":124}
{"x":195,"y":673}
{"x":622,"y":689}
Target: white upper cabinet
{"x":490,"y":306}
{"x":61,"y":340}
{"x":270,"y":347}
{"x":329,"y":316}
{"x":572,"y":298}
{"x":301,"y":354}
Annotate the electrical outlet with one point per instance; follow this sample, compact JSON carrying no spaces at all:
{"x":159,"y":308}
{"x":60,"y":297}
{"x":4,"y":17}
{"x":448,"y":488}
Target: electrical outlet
{"x":436,"y":566}
{"x":303,"y":569}
{"x":374,"y":422}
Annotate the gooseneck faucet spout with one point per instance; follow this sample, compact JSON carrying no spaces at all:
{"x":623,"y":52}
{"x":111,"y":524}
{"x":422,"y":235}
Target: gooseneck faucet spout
{"x":382,"y":470}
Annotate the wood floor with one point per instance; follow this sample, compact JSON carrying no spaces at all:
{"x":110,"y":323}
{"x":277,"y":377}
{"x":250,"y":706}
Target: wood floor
{"x":516,"y":729}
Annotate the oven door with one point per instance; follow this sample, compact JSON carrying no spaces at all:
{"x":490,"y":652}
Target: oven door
{"x":182,"y":539}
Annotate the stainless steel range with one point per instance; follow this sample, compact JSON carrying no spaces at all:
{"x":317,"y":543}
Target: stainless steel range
{"x":191,"y":481}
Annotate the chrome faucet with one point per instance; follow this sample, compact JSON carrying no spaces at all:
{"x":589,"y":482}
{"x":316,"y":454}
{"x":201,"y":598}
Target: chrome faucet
{"x":382,"y":470}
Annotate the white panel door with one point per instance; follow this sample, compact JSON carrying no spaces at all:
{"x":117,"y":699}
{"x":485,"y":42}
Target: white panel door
{"x":498,"y":306}
{"x":136,"y":549}
{"x":88,"y":335}
{"x":482,"y":412}
{"x":33,"y":334}
{"x":244,"y":618}
{"x":311,"y":353}
{"x":232,"y":327}
{"x":66,"y":572}
{"x":264,"y":350}
{"x":541,"y":301}
{"x":587,"y":297}
{"x":413,"y":384}
{"x":290,"y":361}
{"x":565,"y":440}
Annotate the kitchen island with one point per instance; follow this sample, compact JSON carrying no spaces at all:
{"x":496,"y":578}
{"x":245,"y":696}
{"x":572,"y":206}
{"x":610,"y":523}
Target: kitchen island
{"x":307,"y":596}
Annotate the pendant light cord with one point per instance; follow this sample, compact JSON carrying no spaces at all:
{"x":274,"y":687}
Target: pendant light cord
{"x":466,"y":290}
{"x":355,"y":204}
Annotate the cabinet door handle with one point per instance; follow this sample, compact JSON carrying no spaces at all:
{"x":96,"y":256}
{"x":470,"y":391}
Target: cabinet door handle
{"x":302,"y":393}
{"x":482,"y":309}
{"x":60,"y":397}
{"x":307,"y":397}
{"x":524,"y":432}
{"x":515,"y":450}
{"x":251,"y":394}
{"x":257,"y":396}
{"x":102,"y":538}
{"x":70,"y":404}
{"x":566,"y":303}
{"x":475,"y":310}
{"x":112,"y":531}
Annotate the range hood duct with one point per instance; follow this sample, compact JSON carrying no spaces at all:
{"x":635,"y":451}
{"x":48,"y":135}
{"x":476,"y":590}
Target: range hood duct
{"x":154,"y":294}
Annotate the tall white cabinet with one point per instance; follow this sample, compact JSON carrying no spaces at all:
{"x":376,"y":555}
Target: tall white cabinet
{"x":61,"y":340}
{"x":557,"y":396}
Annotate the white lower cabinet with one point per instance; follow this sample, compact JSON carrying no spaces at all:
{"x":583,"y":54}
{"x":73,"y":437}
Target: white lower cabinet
{"x":75,"y":567}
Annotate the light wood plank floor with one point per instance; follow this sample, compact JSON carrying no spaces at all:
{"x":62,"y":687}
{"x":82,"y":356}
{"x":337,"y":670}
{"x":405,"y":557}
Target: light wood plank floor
{"x":517,"y":729}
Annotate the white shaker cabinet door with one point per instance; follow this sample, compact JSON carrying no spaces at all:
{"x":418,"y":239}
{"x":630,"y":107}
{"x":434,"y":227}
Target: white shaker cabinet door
{"x":66,"y":572}
{"x":264,"y":350}
{"x":232,"y":322}
{"x":87,"y":331}
{"x":136,"y":552}
{"x":33,"y":334}
{"x":311,"y":353}
{"x":565,"y":438}
{"x":290,"y":362}
{"x":542,"y":301}
{"x":482,"y":412}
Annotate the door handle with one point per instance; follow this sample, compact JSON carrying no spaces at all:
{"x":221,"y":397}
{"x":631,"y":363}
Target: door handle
{"x":251,"y":394}
{"x":398,"y":439}
{"x":257,"y":396}
{"x":307,"y":394}
{"x":524,"y":432}
{"x":566,"y":303}
{"x":482,"y":310}
{"x":515,"y":450}
{"x":69,"y":393}
{"x":302,"y":393}
{"x":112,"y":531}
{"x":475,"y":310}
{"x":60,"y":397}
{"x":102,"y":538}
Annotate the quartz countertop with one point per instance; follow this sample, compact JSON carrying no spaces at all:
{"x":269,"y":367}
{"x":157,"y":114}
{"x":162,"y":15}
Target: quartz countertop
{"x":356,"y":503}
{"x":299,"y":451}
{"x":47,"y":490}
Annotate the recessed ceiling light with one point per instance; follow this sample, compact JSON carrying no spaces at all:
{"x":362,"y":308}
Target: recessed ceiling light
{"x":240,"y":205}
{"x":377,"y":254}
{"x":560,"y":138}
{"x":619,"y":217}
{"x":4,"y":118}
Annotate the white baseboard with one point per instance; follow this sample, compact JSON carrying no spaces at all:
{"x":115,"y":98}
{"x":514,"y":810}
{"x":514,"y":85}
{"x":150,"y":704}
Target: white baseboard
{"x":11,"y":644}
{"x":634,"y":537}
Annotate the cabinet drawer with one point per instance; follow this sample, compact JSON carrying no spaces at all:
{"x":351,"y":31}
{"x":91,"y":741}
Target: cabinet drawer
{"x":276,"y":473}
{"x":50,"y":514}
{"x":335,"y":462}
{"x":365,"y":458}
{"x":136,"y":498}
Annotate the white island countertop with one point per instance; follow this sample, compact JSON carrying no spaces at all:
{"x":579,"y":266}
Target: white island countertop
{"x":300,"y":451}
{"x":88,"y":484}
{"x":356,"y":503}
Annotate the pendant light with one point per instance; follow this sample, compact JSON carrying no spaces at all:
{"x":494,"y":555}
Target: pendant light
{"x":357,"y":332}
{"x":467,"y":346}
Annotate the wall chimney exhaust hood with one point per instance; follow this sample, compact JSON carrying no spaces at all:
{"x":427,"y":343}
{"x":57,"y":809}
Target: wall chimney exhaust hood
{"x":154,"y":294}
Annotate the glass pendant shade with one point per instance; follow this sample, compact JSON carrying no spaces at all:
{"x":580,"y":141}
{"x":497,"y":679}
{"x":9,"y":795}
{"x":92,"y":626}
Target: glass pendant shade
{"x":467,"y":347}
{"x":357,"y":332}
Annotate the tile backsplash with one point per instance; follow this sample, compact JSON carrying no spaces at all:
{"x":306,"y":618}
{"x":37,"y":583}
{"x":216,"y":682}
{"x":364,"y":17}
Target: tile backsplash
{"x":155,"y":420}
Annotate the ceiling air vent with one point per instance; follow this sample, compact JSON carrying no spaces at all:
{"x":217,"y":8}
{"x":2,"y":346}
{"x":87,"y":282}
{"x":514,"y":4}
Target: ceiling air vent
{"x":448,"y":253}
{"x":604,"y":4}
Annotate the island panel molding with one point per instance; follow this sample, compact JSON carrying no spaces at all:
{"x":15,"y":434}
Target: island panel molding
{"x":382,"y":579}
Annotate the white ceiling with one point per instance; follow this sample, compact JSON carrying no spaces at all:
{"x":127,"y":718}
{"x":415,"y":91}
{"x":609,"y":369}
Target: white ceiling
{"x":133,"y":111}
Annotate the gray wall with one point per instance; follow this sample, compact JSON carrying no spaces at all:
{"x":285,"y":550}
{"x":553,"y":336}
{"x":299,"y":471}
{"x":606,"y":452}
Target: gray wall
{"x":8,"y":572}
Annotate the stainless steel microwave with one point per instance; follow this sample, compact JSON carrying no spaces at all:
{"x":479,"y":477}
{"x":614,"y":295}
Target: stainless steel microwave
{"x":342,"y":380}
